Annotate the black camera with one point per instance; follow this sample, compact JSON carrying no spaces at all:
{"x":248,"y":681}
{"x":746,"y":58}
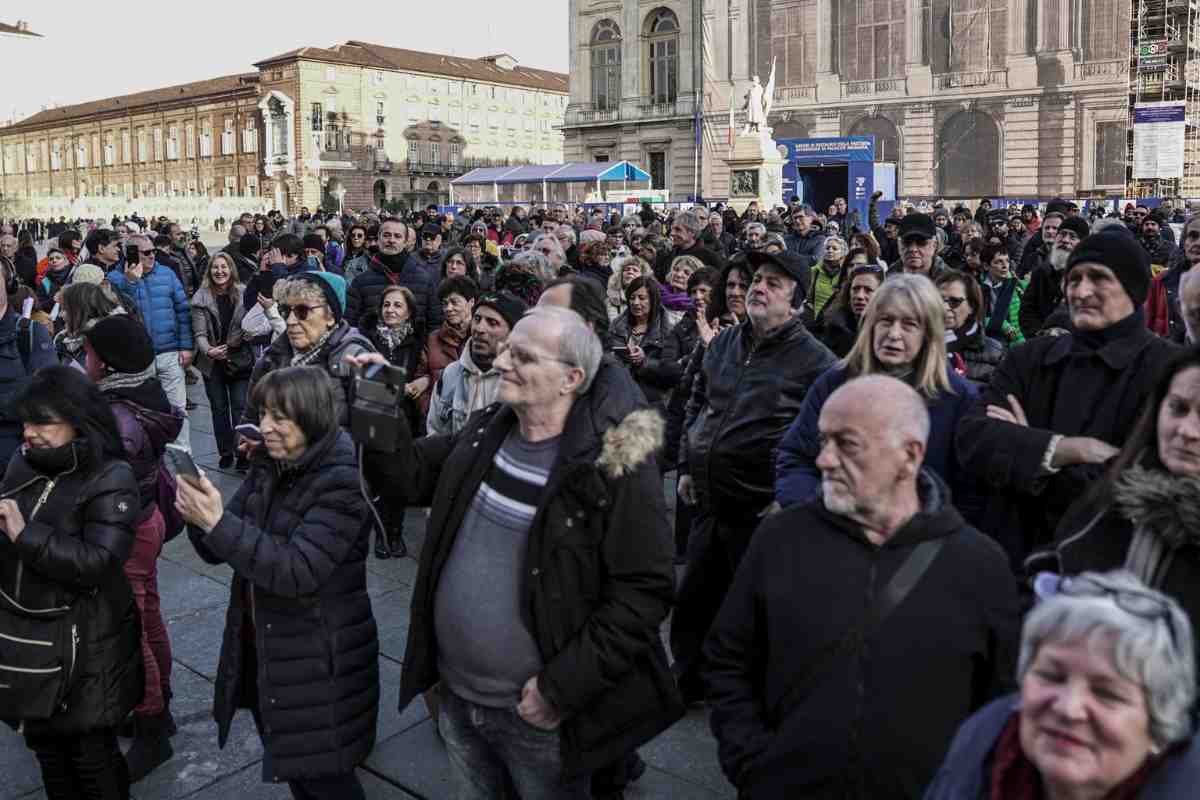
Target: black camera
{"x":377,"y":406}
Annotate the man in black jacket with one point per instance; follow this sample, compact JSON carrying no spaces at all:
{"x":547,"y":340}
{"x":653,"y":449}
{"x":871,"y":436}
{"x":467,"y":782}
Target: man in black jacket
{"x":1059,"y":407}
{"x":747,"y":392}
{"x":1043,"y":294}
{"x":685,"y":236}
{"x":392,"y":266}
{"x":546,"y":572}
{"x":809,"y":698}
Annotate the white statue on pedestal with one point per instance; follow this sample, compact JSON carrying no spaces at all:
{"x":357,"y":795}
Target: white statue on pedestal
{"x":759,"y":100}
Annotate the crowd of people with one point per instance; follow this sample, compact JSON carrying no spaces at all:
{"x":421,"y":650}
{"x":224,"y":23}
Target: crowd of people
{"x":931,"y":533}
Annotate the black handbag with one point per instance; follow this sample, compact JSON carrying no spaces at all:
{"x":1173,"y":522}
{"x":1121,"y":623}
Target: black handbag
{"x":39,"y":658}
{"x":39,"y":649}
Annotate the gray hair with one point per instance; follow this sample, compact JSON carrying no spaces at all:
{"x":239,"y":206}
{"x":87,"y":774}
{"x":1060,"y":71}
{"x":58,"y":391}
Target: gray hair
{"x":693,"y":219}
{"x":756,"y":226}
{"x":566,"y":232}
{"x":774,"y":238}
{"x":1156,"y":654}
{"x":631,"y":219}
{"x":534,"y":262}
{"x":1106,"y":222}
{"x":578,"y":344}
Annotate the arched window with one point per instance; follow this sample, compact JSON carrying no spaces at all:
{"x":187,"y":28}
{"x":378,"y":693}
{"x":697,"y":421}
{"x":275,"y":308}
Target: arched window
{"x":606,"y":66}
{"x":662,"y":31}
{"x":887,"y":138}
{"x":969,"y":156}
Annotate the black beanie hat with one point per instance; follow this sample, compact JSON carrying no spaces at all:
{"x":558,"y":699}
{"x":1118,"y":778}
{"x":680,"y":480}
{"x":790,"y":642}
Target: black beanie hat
{"x":1077,"y":225}
{"x":122,"y":343}
{"x":1117,"y":249}
{"x":313,"y":241}
{"x":510,"y":307}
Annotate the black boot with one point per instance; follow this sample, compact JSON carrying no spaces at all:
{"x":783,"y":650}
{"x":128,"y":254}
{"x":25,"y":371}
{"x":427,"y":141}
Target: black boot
{"x":151,"y":747}
{"x":381,"y":546}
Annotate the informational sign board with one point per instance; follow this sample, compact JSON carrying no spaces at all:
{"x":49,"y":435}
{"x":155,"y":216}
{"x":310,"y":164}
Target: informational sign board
{"x":1158,"y":133}
{"x":1152,"y":56}
{"x":856,"y":152}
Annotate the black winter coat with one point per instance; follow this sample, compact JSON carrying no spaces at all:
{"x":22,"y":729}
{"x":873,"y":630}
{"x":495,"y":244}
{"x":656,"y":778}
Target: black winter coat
{"x":599,"y":571}
{"x":680,"y":349}
{"x":837,"y":328}
{"x":744,"y":397}
{"x":78,"y":543}
{"x":1041,"y":298}
{"x":1063,"y":390}
{"x":365,"y":292}
{"x":297,"y":542}
{"x":404,"y":355}
{"x":658,"y":374}
{"x":981,"y":354}
{"x":794,"y":597}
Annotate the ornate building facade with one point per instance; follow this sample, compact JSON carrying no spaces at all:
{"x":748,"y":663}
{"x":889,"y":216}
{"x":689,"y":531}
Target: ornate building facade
{"x":969,"y":98}
{"x":357,"y":125}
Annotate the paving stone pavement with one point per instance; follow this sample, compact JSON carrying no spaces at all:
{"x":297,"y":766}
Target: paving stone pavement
{"x":409,"y":760}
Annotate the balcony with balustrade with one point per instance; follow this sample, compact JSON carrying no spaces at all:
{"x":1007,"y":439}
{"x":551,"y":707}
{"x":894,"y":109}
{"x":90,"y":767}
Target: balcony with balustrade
{"x":974,"y":79}
{"x":643,"y":109}
{"x":854,"y":90}
{"x":1115,"y":70}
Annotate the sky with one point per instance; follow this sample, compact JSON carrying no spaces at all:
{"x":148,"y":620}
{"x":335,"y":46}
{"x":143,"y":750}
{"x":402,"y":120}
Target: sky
{"x":96,"y":51}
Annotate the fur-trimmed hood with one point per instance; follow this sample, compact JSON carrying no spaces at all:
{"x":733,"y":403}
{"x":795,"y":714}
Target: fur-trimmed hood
{"x":629,"y":443}
{"x":1154,"y":500}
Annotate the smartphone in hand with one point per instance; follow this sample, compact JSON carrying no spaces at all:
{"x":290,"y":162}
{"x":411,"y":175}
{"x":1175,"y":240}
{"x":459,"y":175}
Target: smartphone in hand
{"x":250,"y":432}
{"x":181,"y":463}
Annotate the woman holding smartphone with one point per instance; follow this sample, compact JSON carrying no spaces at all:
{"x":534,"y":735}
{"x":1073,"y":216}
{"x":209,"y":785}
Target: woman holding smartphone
{"x":300,"y":649}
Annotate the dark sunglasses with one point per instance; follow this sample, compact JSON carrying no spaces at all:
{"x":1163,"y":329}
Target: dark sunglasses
{"x":953,"y":302}
{"x":301,"y":311}
{"x":866,"y":269}
{"x":146,"y":252}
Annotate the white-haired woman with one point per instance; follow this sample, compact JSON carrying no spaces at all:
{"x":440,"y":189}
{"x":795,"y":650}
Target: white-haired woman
{"x":1107,"y":682}
{"x":902,"y":335}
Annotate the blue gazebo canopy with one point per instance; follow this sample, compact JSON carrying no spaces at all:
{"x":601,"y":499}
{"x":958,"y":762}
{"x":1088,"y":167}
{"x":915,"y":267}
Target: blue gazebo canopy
{"x":578,"y":171}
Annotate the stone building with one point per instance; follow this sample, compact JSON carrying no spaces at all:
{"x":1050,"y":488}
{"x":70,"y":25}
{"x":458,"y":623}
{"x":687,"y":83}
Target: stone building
{"x":969,"y":98}
{"x":356,"y":126}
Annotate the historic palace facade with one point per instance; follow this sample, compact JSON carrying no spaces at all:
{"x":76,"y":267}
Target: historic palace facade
{"x":358,"y":125}
{"x":969,"y":98}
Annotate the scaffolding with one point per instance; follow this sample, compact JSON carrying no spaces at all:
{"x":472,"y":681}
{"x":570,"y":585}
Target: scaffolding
{"x":1171,"y":28}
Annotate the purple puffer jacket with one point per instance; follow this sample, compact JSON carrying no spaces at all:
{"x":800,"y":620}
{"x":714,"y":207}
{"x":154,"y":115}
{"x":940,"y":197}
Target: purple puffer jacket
{"x":145,"y":432}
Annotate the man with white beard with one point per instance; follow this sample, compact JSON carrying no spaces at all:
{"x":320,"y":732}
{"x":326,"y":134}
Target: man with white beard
{"x":1189,"y":305}
{"x":1045,"y":292}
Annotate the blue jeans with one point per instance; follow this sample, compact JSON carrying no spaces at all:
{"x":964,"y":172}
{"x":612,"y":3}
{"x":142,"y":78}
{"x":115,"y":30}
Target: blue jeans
{"x":491,"y":747}
{"x":227,"y":400}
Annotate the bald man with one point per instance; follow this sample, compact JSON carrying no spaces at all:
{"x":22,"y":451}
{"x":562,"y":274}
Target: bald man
{"x":820,"y":688}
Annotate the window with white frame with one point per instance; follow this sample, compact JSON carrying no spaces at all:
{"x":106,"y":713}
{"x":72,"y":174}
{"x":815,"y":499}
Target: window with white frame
{"x":455,"y":154}
{"x":56,"y":156}
{"x":191,"y":187}
{"x":331,"y":73}
{"x":112,"y":190}
{"x":110,"y":152}
{"x":158,"y":144}
{"x":190,"y":134}
{"x":206,"y":141}
{"x":160,"y":188}
{"x":250,"y":137}
{"x":126,"y":146}
{"x":127,"y":190}
{"x":209,"y":186}
{"x":251,"y":186}
{"x":379,"y":115}
{"x":81,"y":153}
{"x":377,"y":78}
{"x":227,"y":138}
{"x":96,"y":151}
{"x":172,"y":143}
{"x":230,"y":189}
{"x":414,"y":151}
{"x":435,"y":152}
{"x":174,"y":188}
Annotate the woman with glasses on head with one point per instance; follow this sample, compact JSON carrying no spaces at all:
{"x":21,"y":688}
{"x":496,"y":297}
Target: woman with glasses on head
{"x":1144,"y":514}
{"x":902,"y":335}
{"x":838,"y":326}
{"x":966,"y":341}
{"x":1107,"y":684}
{"x":313,"y":305}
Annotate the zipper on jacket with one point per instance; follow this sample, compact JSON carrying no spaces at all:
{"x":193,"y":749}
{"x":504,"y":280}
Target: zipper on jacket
{"x":74,"y":652}
{"x":21,"y":564}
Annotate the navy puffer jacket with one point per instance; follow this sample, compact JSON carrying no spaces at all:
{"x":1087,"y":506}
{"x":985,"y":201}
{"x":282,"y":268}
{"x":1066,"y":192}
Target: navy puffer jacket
{"x":297,"y":542}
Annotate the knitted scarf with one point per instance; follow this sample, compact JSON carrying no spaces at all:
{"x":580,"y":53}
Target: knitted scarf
{"x":125,"y":380}
{"x":310,"y":355}
{"x":394,"y":337}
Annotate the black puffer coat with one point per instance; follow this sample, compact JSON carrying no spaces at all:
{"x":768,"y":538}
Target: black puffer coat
{"x":744,"y":398}
{"x":297,"y":542}
{"x":981,"y":354}
{"x":598,"y":565}
{"x":78,"y":542}
{"x":837,"y":329}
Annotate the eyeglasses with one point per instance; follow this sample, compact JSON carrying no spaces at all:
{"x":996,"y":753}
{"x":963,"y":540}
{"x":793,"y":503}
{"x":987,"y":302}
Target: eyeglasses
{"x":301,"y":311}
{"x":1131,"y":601}
{"x":865,"y":269}
{"x":524,"y":358}
{"x":953,"y":302}
{"x":146,"y":252}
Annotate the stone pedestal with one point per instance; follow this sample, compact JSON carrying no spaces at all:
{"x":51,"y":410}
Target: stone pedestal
{"x":755,"y":171}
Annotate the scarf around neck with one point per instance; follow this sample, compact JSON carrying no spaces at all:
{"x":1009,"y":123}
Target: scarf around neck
{"x":125,"y":380}
{"x":1164,"y":510}
{"x":308,"y":356}
{"x":394,"y":337}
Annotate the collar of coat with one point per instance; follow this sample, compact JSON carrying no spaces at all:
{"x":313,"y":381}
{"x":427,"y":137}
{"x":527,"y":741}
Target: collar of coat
{"x":1117,"y":354}
{"x":1164,"y":504}
{"x":937,"y":518}
{"x":616,"y":451}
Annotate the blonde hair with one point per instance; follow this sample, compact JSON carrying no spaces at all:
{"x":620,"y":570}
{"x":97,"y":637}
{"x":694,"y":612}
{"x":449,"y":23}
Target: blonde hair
{"x":917,"y":294}
{"x":616,"y":291}
{"x":687,"y":261}
{"x":233,"y":285}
